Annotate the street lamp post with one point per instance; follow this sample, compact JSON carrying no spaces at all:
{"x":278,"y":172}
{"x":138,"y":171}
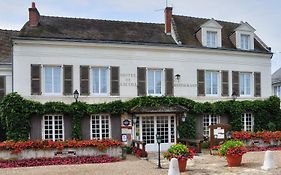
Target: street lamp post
{"x":158,"y":139}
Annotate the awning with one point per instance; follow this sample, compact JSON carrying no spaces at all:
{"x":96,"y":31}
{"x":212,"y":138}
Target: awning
{"x":159,"y":109}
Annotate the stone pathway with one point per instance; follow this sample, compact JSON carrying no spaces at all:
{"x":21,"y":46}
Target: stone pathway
{"x":204,"y":164}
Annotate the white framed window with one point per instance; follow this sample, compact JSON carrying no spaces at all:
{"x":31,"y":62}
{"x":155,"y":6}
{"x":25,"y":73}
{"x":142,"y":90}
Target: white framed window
{"x":100,"y":80}
{"x":248,"y":122}
{"x":277,"y":91}
{"x":209,"y":119}
{"x":245,"y":42}
{"x":53,"y":127}
{"x":100,"y":126}
{"x":154,"y":81}
{"x":212,"y":39}
{"x":52,"y":80}
{"x":211,"y":82}
{"x":245,"y":84}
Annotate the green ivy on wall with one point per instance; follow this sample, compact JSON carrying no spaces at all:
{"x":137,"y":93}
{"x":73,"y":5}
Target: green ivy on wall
{"x":16,"y":112}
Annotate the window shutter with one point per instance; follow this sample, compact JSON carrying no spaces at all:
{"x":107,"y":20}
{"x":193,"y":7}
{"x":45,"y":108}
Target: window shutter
{"x":67,"y":80}
{"x":84,"y":80}
{"x":141,"y":71}
{"x":224,"y":83}
{"x":2,"y":86}
{"x":169,"y":77}
{"x":114,"y":81}
{"x":35,"y":79}
{"x":257,"y":83}
{"x":200,"y":82}
{"x":235,"y":83}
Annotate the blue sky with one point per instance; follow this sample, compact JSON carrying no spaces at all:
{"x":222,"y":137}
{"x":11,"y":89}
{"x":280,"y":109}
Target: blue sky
{"x":263,"y":15}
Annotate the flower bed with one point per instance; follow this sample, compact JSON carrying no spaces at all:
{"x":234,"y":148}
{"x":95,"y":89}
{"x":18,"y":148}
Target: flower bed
{"x":264,"y":135}
{"x":139,"y":152}
{"x":50,"y":149}
{"x":56,"y":161}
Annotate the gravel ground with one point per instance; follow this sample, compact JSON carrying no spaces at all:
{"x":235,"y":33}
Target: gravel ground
{"x":203,"y":164}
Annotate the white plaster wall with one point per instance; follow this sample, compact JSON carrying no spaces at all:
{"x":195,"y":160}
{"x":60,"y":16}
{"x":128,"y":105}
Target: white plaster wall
{"x":184,"y":61}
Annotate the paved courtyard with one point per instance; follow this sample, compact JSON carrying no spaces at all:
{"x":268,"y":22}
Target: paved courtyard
{"x":204,"y":164}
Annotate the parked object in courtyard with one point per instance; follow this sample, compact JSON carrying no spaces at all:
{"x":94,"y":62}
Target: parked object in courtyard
{"x":233,"y":150}
{"x":180,"y":152}
{"x":174,"y":167}
{"x":268,"y":161}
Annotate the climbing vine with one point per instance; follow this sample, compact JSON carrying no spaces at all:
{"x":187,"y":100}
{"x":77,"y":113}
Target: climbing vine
{"x":16,"y":112}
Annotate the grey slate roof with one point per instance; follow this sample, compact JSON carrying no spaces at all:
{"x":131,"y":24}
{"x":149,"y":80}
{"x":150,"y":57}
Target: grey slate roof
{"x":187,"y":28}
{"x":99,"y":30}
{"x":6,"y":45}
{"x":276,"y":76}
{"x":122,"y":31}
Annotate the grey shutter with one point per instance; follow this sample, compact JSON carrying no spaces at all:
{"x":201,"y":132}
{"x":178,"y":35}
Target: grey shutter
{"x":141,"y":71}
{"x":235,"y":83}
{"x":84,"y":80}
{"x":67,"y":80}
{"x":200,"y":82}
{"x":257,"y":83}
{"x":2,"y":86}
{"x":114,"y":81}
{"x":169,"y":77}
{"x":224,"y":83}
{"x":35,"y":79}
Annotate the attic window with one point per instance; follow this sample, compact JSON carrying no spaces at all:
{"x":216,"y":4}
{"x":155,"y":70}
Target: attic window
{"x":245,"y":42}
{"x":212,"y":38}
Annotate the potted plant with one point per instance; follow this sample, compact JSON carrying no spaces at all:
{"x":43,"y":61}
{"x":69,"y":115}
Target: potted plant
{"x":180,"y":152}
{"x":233,"y":150}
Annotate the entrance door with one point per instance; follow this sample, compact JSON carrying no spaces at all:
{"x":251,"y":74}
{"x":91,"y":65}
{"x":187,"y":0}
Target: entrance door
{"x":149,"y":125}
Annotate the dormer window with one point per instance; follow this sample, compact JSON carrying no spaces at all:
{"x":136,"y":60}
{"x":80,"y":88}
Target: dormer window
{"x":245,"y":42}
{"x":212,"y":38}
{"x":210,"y":34}
{"x":243,"y":37}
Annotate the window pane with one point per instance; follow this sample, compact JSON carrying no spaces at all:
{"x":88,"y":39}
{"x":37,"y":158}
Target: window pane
{"x":103,"y":80}
{"x":211,"y":39}
{"x":245,"y":83}
{"x":57,"y":79}
{"x":48,"y":80}
{"x":245,"y":42}
{"x":208,"y":83}
{"x":96,"y":80}
{"x":150,"y":75}
{"x":214,"y":83}
{"x":158,"y":82}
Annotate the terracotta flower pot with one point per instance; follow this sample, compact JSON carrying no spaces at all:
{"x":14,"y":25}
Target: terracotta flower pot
{"x":182,"y":164}
{"x":234,"y":160}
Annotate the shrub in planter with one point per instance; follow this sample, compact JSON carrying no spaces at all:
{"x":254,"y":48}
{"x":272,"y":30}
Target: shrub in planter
{"x":233,"y":150}
{"x":180,"y":152}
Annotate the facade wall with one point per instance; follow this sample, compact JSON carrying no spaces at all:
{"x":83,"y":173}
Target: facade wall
{"x":184,"y":61}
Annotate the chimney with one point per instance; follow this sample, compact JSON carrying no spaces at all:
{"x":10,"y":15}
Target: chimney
{"x":168,"y":19}
{"x":34,"y":16}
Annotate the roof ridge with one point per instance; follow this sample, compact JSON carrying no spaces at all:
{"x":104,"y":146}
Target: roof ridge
{"x":8,"y":30}
{"x":207,"y":19}
{"x":137,"y":22}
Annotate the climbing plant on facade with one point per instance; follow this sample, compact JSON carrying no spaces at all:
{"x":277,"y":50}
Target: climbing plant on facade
{"x":16,"y":112}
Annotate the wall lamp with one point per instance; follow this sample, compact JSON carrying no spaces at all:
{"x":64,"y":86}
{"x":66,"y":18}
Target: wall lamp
{"x":76,"y":95}
{"x":234,"y":96}
{"x":178,"y":77}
